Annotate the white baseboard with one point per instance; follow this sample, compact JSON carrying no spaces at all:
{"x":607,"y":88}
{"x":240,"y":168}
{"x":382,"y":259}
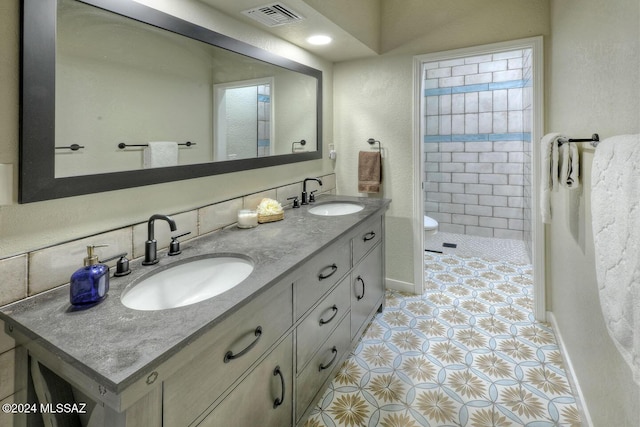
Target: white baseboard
{"x":582,"y":405}
{"x":401,"y":286}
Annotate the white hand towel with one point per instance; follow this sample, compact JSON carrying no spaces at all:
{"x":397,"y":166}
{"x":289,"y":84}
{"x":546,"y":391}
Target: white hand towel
{"x":570,"y":166}
{"x":615,"y":208}
{"x":548,"y":173}
{"x":160,"y":154}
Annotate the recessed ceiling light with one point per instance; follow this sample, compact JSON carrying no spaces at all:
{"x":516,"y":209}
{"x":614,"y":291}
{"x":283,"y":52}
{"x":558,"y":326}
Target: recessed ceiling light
{"x":319,"y":39}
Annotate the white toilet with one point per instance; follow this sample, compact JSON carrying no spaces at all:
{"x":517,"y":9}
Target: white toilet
{"x":430,"y":226}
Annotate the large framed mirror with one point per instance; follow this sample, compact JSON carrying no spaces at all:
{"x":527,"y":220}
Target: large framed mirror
{"x":116,"y":94}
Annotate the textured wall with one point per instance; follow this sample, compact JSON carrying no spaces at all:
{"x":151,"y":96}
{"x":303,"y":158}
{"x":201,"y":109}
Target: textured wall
{"x":593,"y":86}
{"x":424,"y":26}
{"x":373,"y":100}
{"x":374,"y":97}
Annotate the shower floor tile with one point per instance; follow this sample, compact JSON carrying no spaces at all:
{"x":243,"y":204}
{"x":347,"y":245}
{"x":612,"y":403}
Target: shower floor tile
{"x":482,"y":247}
{"x":468,"y":352}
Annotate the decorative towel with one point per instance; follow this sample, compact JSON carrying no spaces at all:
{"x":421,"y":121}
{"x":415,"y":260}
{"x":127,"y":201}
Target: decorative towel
{"x":570,"y":166}
{"x":548,"y":172}
{"x":369,"y":171}
{"x":160,"y":154}
{"x":615,"y":208}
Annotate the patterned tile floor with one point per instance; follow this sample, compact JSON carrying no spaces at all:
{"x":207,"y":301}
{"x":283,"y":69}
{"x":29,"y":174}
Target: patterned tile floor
{"x":466,"y":353}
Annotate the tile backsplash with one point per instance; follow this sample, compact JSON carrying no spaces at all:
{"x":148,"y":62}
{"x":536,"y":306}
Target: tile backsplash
{"x":39,"y":270}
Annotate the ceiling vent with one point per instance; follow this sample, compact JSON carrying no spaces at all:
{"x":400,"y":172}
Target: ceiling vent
{"x":273,"y":15}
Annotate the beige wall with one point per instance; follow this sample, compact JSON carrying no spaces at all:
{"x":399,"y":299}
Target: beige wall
{"x":424,"y":26}
{"x":373,"y":98}
{"x":593,"y":86}
{"x":592,"y":82}
{"x":27,"y":227}
{"x":361,"y":18}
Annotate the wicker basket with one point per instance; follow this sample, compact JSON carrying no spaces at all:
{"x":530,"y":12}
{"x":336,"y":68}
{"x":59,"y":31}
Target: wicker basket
{"x":270,"y":218}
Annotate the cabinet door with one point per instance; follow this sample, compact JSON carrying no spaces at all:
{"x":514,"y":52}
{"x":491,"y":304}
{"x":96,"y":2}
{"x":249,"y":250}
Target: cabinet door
{"x":235,"y":344}
{"x":367,"y":289}
{"x":263,"y":398}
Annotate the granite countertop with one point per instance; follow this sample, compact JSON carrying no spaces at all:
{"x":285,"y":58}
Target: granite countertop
{"x":115,"y":345}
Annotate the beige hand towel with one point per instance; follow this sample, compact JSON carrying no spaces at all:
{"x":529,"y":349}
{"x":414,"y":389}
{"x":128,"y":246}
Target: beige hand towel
{"x":369,"y":171}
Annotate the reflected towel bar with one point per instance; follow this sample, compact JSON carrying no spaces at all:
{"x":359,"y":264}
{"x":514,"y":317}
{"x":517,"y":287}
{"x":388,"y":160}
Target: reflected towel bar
{"x":122,"y":145}
{"x":293,"y":144}
{"x":594,"y":140}
{"x":72,"y":147}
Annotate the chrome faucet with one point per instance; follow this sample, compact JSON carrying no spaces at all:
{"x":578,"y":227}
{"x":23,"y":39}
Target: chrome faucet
{"x":150,"y":246}
{"x":305,"y":199}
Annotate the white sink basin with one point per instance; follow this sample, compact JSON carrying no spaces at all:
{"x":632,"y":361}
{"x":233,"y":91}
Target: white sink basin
{"x":336,"y":208}
{"x":187,"y":283}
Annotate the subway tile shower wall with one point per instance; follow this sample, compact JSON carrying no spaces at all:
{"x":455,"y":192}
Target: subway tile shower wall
{"x":477,"y":142}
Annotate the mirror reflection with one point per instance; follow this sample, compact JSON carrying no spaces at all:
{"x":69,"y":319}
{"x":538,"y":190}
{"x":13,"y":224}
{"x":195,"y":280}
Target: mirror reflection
{"x":166,"y":99}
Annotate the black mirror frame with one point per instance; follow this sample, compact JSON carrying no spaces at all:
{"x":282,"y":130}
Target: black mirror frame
{"x":37,"y":106}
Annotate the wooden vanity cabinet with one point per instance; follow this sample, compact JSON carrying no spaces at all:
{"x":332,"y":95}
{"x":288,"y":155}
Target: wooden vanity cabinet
{"x":269,"y":362}
{"x":362,"y":291}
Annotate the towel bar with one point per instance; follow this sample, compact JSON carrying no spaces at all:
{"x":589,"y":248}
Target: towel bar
{"x":122,"y":145}
{"x":594,"y":140}
{"x":72,"y":147}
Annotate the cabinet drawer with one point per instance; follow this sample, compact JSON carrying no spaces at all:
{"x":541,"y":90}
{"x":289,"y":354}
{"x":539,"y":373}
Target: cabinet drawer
{"x":317,"y":326}
{"x":263,"y":398}
{"x":319,"y":274}
{"x":205,"y":375}
{"x":367,"y":289}
{"x":366,"y":237}
{"x":321,"y":366}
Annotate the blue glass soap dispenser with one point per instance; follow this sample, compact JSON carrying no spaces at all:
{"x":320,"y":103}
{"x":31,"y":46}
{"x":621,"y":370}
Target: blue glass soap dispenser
{"x":89,"y":284}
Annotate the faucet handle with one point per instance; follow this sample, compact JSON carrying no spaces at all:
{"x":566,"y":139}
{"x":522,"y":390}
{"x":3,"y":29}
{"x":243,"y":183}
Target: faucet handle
{"x":122,"y":266}
{"x":312,"y":197}
{"x":174,"y":246}
{"x":296,"y":204}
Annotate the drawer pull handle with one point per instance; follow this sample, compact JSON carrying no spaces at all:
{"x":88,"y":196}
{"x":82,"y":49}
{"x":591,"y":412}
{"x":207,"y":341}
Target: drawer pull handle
{"x":369,"y":236}
{"x":359,"y":297}
{"x":333,"y":268}
{"x":230,"y":356}
{"x":335,"y":313}
{"x":279,"y":400}
{"x":334,"y":350}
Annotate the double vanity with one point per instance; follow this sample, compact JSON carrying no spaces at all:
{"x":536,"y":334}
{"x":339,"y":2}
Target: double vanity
{"x":245,"y":327}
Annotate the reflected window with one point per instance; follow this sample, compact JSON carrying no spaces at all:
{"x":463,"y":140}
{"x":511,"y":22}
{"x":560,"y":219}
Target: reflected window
{"x":243,"y":119}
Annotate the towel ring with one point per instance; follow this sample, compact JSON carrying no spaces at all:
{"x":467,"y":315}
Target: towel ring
{"x":372,"y":141}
